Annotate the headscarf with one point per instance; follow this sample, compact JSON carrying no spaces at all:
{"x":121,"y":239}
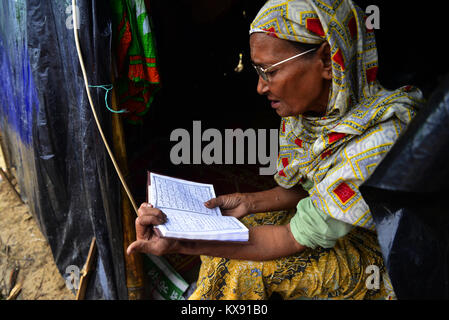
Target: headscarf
{"x":337,"y":152}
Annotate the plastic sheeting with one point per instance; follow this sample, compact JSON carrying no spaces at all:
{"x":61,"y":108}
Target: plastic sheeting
{"x":68,"y":181}
{"x":407,"y":195}
{"x":63,"y":170}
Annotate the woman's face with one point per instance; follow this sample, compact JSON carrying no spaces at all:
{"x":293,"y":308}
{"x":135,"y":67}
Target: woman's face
{"x":298,"y":86}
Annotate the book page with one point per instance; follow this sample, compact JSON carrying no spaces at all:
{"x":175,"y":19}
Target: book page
{"x":187,"y":217}
{"x":187,"y":222}
{"x":181,"y":195}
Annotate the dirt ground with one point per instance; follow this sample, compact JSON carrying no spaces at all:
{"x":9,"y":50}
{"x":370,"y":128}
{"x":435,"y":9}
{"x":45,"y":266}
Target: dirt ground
{"x":25,"y":257}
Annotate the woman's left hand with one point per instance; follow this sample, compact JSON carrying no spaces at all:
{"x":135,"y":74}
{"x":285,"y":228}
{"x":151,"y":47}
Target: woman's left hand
{"x":147,"y":240}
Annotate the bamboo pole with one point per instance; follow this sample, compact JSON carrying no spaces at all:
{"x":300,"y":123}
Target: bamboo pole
{"x":5,"y":156}
{"x":133,"y":263}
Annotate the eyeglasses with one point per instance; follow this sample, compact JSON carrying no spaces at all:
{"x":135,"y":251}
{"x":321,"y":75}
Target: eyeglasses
{"x":263,"y":72}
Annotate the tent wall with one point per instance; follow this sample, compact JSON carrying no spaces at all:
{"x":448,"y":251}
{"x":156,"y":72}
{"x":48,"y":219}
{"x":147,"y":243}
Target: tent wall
{"x":63,"y":170}
{"x":407,"y":196}
{"x":62,"y":167}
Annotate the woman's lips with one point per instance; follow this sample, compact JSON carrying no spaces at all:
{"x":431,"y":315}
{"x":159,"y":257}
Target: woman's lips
{"x":275,"y":104}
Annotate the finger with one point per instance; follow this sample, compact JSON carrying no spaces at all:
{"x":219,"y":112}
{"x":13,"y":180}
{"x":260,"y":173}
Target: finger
{"x":150,"y":220}
{"x":227,"y":212}
{"x":214,"y":202}
{"x":144,"y":205}
{"x":143,"y":232}
{"x":153,"y":213}
{"x":139,"y":246}
{"x":144,"y":226}
{"x":150,"y":211}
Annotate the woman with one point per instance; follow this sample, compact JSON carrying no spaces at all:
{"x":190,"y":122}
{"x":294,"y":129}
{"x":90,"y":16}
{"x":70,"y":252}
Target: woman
{"x":315,"y":236}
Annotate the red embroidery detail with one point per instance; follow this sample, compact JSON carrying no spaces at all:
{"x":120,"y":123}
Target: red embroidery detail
{"x":352,"y":26}
{"x":298,"y":142}
{"x":334,"y":136}
{"x":281,"y":173}
{"x":344,"y":192}
{"x":326,"y":154}
{"x":285,"y":162}
{"x":271,"y":32}
{"x":338,"y":59}
{"x":371,"y":74}
{"x":407,"y":88}
{"x":314,"y":25}
{"x":283,"y":126}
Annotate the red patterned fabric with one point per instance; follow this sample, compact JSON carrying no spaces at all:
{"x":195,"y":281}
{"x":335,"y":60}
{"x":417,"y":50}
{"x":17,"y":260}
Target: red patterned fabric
{"x":138,"y":78}
{"x":344,"y":192}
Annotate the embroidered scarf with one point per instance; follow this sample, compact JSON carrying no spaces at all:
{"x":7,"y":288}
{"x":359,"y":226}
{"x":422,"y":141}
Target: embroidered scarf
{"x":339,"y":151}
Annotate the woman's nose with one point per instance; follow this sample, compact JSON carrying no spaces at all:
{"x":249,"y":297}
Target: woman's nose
{"x":262,"y":86}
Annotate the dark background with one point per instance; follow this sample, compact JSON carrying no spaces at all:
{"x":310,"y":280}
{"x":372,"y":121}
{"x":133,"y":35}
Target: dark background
{"x":199,"y":42}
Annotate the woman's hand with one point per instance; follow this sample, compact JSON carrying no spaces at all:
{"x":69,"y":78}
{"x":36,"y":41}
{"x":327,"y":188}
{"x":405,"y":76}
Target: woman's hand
{"x":235,"y":204}
{"x":147,"y":241}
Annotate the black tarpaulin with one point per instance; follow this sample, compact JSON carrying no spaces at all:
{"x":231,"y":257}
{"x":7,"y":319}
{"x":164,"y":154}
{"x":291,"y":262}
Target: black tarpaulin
{"x":64,"y":171}
{"x":407,"y":195}
{"x":69,"y":182}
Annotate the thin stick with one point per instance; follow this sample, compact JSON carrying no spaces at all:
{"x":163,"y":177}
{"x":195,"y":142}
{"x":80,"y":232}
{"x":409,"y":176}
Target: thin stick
{"x":5,"y":156}
{"x":86,"y":270}
{"x":86,"y":83}
{"x":5,"y":177}
{"x":15,"y":292}
{"x":135,"y":277}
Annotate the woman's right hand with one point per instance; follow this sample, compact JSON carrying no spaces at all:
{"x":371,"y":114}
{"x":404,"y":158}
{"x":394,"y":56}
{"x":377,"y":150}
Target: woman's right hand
{"x":234,"y":204}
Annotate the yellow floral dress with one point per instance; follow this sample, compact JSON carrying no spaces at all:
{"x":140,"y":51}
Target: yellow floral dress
{"x":335,"y":273}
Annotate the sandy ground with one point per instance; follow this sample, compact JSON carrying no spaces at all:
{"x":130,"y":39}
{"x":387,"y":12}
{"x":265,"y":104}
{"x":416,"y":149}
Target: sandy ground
{"x":24,"y":252}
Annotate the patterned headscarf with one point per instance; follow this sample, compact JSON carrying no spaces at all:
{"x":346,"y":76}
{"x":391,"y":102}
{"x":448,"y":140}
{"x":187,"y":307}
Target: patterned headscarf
{"x":337,"y":152}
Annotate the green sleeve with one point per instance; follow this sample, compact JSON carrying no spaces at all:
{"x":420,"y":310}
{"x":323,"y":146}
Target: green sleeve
{"x":313,"y":228}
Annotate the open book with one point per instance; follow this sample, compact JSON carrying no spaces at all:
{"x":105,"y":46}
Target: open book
{"x":187,"y":217}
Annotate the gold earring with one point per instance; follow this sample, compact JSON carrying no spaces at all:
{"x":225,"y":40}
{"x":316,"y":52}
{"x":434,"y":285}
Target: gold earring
{"x":240,"y":66}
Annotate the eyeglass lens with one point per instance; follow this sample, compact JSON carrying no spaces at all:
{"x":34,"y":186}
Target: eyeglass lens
{"x":261,"y":72}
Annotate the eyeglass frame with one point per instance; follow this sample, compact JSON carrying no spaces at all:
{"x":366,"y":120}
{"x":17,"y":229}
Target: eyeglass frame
{"x":262,"y":72}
